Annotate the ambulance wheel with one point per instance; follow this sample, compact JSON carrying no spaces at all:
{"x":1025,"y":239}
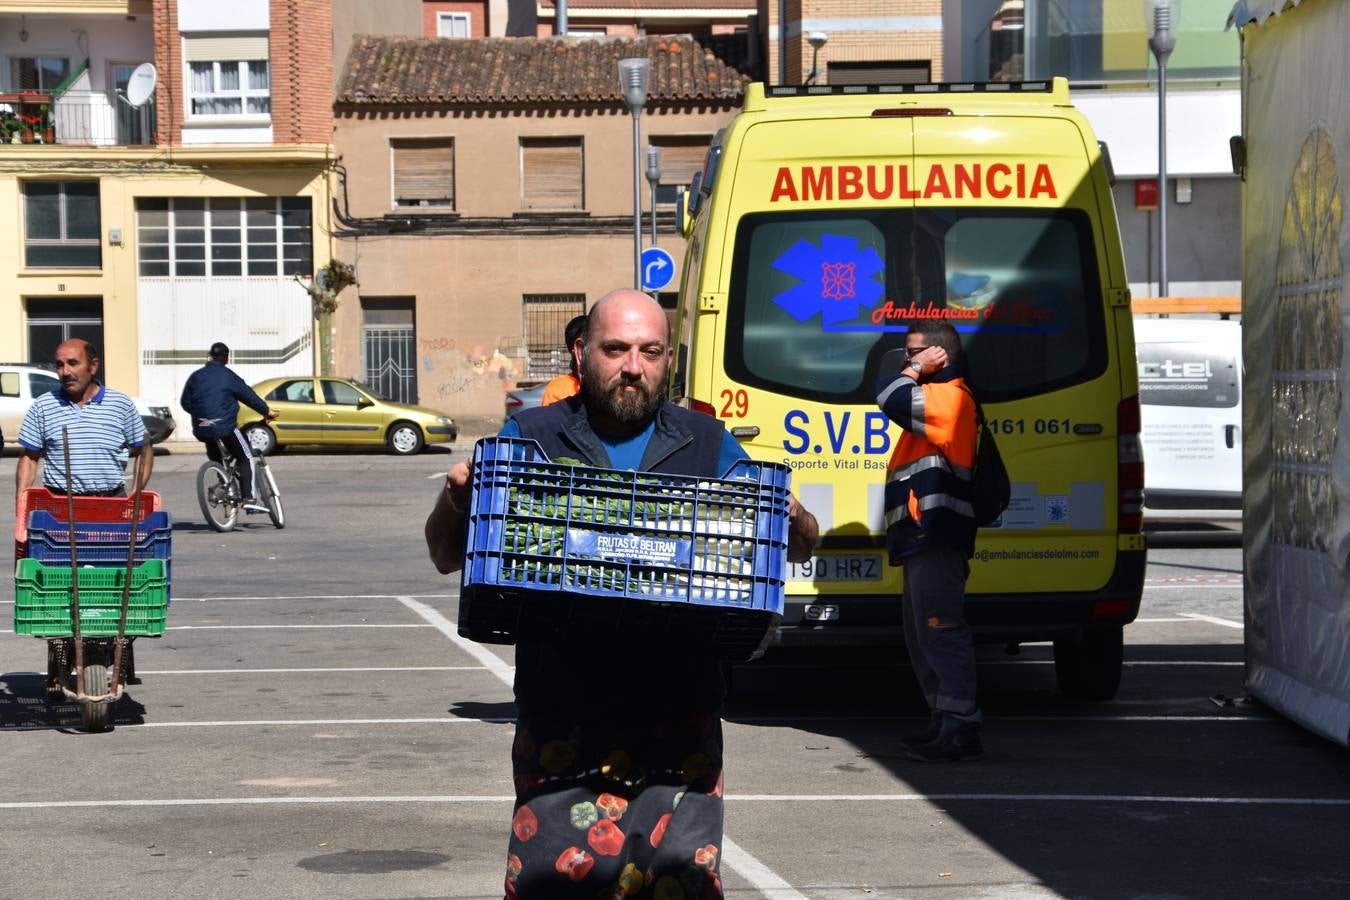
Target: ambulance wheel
{"x":1089,"y":669}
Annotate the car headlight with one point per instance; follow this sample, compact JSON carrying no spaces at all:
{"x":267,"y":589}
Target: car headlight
{"x":161,"y":411}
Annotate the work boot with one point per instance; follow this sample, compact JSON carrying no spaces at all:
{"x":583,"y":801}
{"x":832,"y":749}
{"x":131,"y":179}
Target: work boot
{"x":929,"y":734}
{"x":952,"y":743}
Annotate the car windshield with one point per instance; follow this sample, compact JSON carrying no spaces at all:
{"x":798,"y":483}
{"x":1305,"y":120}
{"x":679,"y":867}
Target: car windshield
{"x":818,"y":298}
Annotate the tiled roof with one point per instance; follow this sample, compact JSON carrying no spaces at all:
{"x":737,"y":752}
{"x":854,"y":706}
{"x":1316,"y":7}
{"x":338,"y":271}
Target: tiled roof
{"x":534,"y":70}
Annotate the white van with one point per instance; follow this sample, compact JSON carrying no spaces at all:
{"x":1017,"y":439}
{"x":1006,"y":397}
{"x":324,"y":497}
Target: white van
{"x":1190,"y":396}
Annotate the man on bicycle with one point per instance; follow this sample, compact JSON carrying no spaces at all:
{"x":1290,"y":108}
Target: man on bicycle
{"x":211,"y":397}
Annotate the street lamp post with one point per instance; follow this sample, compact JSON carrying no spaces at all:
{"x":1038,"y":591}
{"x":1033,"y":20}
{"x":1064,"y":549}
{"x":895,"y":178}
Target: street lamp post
{"x":1162,"y":40}
{"x":816,"y":39}
{"x":633,"y":74}
{"x":653,"y":176}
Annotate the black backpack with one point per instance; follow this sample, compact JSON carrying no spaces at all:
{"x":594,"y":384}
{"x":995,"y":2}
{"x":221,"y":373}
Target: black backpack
{"x":991,"y":491}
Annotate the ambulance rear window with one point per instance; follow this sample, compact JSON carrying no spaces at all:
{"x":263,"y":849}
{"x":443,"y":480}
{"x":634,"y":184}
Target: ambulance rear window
{"x":817,"y":298}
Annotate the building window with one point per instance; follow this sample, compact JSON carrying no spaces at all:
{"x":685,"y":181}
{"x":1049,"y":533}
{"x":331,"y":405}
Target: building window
{"x":232,"y":88}
{"x":452,"y":25}
{"x":37,"y":73}
{"x":61,"y":224}
{"x":424,"y":173}
{"x":681,"y":157}
{"x":546,"y":318}
{"x":228,"y":75}
{"x":551,"y":175}
{"x":224,"y":237}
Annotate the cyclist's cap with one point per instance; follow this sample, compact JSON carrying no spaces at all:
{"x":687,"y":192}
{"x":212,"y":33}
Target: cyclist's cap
{"x":220,"y":351}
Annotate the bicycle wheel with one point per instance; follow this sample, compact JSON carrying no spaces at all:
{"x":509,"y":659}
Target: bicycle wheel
{"x":271,"y":497}
{"x":219,"y":505}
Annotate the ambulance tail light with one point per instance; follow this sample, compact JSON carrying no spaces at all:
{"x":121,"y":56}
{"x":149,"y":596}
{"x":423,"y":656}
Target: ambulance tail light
{"x":699,"y":406}
{"x":903,"y":112}
{"x":1129,"y":467}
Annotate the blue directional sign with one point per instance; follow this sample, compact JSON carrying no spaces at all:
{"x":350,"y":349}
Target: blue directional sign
{"x":658,"y":269}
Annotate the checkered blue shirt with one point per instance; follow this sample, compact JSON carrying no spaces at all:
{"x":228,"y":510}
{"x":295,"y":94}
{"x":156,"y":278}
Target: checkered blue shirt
{"x":101,"y":433}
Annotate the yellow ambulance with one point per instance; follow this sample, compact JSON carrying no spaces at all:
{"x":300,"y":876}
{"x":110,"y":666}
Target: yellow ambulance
{"x":827,"y":219}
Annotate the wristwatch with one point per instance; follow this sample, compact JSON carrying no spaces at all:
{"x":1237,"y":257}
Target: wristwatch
{"x":917,"y":367}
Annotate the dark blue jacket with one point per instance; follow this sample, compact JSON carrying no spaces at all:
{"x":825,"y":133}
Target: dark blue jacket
{"x":642,"y":682}
{"x":211,"y":397}
{"x":682,"y":442}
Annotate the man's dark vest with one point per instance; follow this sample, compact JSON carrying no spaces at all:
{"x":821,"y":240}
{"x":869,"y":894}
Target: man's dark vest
{"x":682,"y":443}
{"x":640,"y":682}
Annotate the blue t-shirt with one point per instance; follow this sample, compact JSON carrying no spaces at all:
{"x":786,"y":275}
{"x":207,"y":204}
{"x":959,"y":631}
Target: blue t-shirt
{"x":626,"y":453}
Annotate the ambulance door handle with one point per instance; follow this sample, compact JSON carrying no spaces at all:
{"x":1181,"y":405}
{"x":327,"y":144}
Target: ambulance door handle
{"x":1230,"y":435}
{"x":745,"y":431}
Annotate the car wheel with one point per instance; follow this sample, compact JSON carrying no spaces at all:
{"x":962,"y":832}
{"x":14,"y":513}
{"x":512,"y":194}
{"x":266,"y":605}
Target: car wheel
{"x":404,"y":439}
{"x":1089,"y":669}
{"x":262,"y":440}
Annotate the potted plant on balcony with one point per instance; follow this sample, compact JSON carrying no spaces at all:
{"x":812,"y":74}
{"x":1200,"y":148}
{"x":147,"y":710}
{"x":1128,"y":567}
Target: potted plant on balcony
{"x":10,"y":126}
{"x":48,"y":127}
{"x":38,"y":126}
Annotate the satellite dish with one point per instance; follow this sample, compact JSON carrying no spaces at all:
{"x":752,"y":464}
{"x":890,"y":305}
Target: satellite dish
{"x":141,"y":84}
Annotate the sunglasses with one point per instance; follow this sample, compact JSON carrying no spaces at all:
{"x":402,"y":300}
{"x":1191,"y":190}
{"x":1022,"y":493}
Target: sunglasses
{"x":911,"y":352}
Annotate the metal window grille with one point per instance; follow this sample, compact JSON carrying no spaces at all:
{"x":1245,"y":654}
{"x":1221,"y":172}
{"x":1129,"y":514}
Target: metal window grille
{"x":390,"y":361}
{"x":546,"y":318}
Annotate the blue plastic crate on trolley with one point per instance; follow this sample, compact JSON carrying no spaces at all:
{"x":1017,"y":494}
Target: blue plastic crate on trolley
{"x":570,"y":552}
{"x":101,"y":544}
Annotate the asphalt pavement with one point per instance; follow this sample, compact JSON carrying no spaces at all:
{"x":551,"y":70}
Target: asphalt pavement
{"x":312,"y":726}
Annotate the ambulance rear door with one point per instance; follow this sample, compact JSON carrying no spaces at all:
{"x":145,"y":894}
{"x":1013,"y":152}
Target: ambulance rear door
{"x":1007,"y":203}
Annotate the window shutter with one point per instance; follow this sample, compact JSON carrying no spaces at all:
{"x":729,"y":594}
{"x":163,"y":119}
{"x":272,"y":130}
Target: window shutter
{"x":230,"y":49}
{"x":424,"y":173}
{"x":551,"y":174}
{"x":681,"y":157}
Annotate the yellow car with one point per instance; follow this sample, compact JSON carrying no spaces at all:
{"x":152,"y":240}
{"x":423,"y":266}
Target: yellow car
{"x":339,"y":411}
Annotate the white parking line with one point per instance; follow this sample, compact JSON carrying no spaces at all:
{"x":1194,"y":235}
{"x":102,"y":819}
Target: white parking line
{"x":489,"y":660}
{"x":772,"y":884}
{"x":315,"y":669}
{"x":792,"y":721}
{"x":1227,"y":586}
{"x":1214,"y":620}
{"x":178,"y":599}
{"x":267,"y":627}
{"x":760,"y":876}
{"x":240,"y":723}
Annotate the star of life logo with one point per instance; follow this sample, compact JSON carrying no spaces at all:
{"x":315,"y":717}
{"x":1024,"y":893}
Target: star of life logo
{"x":834,"y":279}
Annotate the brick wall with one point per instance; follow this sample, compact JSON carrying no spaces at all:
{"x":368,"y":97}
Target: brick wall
{"x":477,"y":10}
{"x":169,"y":67}
{"x":855,"y":45}
{"x":300,"y":41}
{"x":302,"y":71}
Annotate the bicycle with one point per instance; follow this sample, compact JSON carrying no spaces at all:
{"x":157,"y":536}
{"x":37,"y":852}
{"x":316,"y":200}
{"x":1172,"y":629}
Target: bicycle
{"x":220,"y":494}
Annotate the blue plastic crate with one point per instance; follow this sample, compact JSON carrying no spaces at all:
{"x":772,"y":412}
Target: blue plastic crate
{"x":100,"y":544}
{"x":556,"y":551}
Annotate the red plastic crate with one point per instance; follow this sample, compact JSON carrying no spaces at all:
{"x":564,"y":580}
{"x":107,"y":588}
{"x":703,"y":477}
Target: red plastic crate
{"x":87,"y":509}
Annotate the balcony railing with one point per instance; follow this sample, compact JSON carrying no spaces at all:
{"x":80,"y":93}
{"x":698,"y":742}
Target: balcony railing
{"x":78,"y":118}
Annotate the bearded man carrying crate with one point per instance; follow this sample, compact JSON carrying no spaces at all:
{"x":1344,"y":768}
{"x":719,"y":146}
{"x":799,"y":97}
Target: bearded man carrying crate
{"x":617,"y":758}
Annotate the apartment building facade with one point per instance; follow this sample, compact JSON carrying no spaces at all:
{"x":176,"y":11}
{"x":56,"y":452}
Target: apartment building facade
{"x":175,"y":189}
{"x":486,"y":197}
